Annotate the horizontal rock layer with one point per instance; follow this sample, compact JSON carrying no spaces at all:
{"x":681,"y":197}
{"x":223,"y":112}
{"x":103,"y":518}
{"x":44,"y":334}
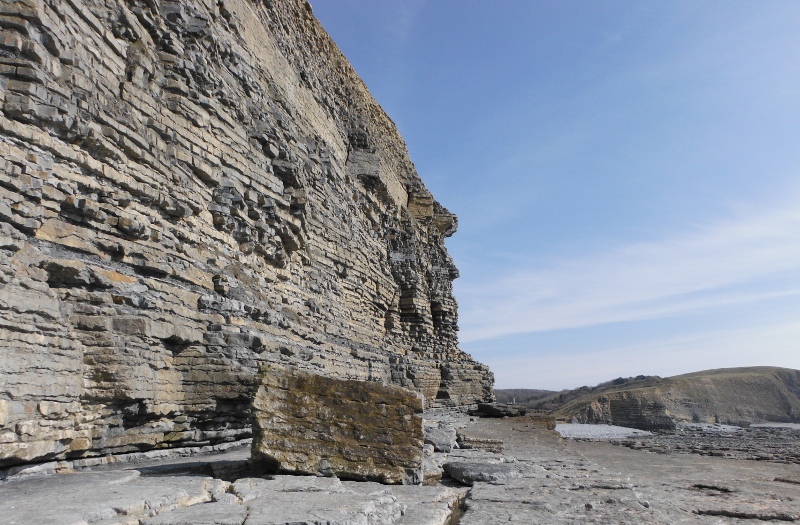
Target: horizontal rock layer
{"x":190,"y":189}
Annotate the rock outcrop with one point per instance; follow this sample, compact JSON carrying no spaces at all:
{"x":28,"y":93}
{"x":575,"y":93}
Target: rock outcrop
{"x":309,"y":424}
{"x":191,"y":189}
{"x":733,"y":396}
{"x":440,"y":436}
{"x":499,"y":410}
{"x":469,"y":472}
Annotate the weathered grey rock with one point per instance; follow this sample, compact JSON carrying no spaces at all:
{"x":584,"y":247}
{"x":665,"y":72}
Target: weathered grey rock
{"x":224,"y":460}
{"x":479,"y":443}
{"x":183,"y":498}
{"x":428,"y":505}
{"x":288,"y":500}
{"x":191,"y":189}
{"x":106,"y":497}
{"x":441,"y":435}
{"x":310,"y":424}
{"x":562,"y":482}
{"x":468,"y":473}
{"x":205,"y":514}
{"x":431,"y":471}
{"x":499,"y":410}
{"x":566,"y":481}
{"x":780,"y":445}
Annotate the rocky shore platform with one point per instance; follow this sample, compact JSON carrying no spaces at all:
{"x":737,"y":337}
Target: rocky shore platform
{"x":778,"y":443}
{"x":516,"y":471}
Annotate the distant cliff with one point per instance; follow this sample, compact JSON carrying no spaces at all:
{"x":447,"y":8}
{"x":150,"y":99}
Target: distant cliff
{"x":736,"y":396}
{"x":192,"y":188}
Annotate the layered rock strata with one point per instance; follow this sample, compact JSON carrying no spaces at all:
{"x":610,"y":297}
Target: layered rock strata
{"x":308,"y":424}
{"x":732,"y":396}
{"x":191,"y":189}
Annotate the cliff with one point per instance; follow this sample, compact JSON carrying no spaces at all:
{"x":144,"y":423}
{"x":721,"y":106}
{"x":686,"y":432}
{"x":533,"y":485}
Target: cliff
{"x":191,"y":189}
{"x":734,"y":396}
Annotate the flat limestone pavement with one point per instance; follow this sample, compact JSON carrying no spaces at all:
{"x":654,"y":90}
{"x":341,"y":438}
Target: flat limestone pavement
{"x":98,"y":497}
{"x":555,"y":481}
{"x":175,"y":493}
{"x":566,"y":481}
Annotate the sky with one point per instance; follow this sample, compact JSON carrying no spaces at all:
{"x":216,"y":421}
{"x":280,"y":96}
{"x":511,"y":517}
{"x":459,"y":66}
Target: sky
{"x":626,"y":175}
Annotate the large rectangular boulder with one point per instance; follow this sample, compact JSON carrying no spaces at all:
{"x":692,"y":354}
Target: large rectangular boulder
{"x":309,"y":424}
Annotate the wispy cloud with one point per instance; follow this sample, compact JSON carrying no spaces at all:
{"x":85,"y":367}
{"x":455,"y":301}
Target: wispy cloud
{"x":401,"y":21}
{"x":771,"y":344}
{"x":738,"y":260}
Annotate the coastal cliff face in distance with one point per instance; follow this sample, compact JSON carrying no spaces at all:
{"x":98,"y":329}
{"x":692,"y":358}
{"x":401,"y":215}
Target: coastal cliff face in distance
{"x":731,"y":396}
{"x":191,"y":189}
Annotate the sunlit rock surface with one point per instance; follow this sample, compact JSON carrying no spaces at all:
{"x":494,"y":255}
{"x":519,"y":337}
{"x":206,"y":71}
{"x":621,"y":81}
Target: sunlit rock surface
{"x":191,"y":189}
{"x":309,"y":424}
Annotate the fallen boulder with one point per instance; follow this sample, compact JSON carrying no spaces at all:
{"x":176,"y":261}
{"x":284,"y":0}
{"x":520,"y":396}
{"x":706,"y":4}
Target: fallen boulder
{"x":470,"y":472}
{"x":310,"y":424}
{"x":479,"y":443}
{"x":499,"y":410}
{"x":441,"y":435}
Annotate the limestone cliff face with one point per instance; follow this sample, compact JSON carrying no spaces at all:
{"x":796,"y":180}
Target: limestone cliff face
{"x":190,"y":189}
{"x":735,"y":396}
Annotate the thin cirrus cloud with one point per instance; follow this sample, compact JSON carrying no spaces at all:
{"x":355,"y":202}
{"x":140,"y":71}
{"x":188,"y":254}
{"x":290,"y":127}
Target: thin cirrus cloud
{"x":761,"y":344}
{"x":746,"y":259}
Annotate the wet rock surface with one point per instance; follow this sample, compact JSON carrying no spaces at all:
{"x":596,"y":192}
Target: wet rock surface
{"x":584,"y":431}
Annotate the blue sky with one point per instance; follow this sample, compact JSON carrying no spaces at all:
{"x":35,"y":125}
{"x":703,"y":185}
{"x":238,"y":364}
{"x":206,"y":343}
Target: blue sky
{"x":626,"y":174}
